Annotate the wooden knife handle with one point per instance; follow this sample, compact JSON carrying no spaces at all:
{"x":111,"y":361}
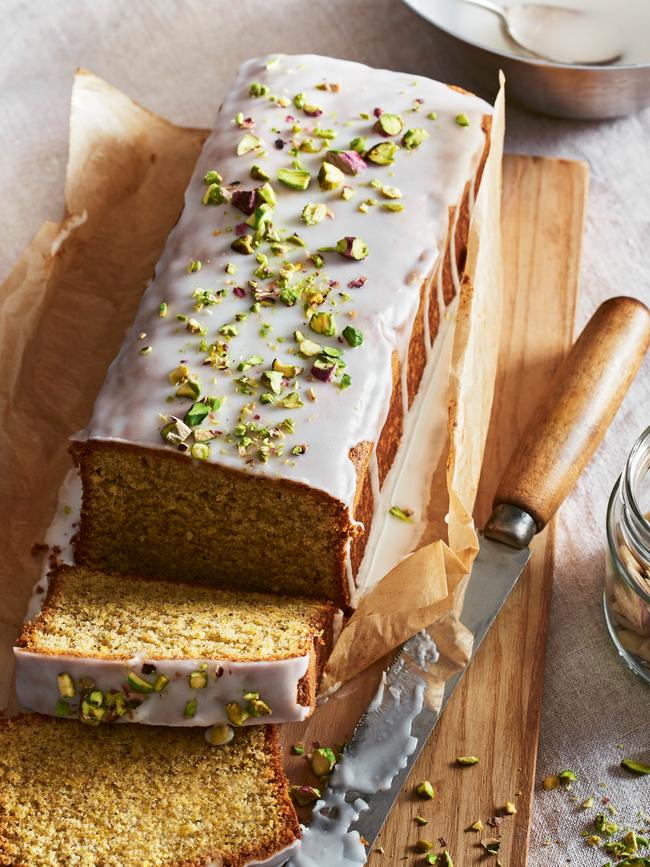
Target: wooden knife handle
{"x":579,"y":406}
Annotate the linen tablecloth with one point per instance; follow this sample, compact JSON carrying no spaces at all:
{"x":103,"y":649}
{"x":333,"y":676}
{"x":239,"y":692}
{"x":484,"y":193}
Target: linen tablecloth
{"x":177,"y":57}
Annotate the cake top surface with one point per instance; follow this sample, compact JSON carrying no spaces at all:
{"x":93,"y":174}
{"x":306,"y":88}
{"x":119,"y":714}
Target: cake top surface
{"x":91,"y":614}
{"x":132,"y":795}
{"x":318,"y":205}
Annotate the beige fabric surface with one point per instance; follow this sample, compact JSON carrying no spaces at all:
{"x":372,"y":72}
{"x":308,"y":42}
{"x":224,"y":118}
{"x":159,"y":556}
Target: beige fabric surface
{"x":177,"y":59}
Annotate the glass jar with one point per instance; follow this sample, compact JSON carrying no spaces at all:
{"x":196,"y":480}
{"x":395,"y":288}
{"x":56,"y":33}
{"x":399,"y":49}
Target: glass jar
{"x":627,"y":581}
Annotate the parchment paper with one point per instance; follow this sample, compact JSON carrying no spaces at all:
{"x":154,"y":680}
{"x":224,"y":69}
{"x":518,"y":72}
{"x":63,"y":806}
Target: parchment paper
{"x":65,"y":308}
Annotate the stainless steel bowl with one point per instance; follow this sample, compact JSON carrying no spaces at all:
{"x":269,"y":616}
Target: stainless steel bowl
{"x":480,"y":48}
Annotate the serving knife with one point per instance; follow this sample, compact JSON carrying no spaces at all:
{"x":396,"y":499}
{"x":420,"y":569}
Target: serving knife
{"x":558,"y":443}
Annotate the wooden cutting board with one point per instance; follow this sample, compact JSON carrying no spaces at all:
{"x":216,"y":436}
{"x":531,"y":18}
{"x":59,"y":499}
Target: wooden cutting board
{"x":495,"y":711}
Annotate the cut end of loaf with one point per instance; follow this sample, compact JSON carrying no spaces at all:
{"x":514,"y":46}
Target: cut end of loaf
{"x":133,"y":795}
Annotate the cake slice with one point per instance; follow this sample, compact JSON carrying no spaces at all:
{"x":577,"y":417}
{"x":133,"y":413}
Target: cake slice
{"x":107,"y":649}
{"x":247,"y":427}
{"x":129,"y":797}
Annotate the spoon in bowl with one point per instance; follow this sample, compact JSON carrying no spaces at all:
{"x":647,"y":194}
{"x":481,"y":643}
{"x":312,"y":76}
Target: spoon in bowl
{"x":572,"y":36}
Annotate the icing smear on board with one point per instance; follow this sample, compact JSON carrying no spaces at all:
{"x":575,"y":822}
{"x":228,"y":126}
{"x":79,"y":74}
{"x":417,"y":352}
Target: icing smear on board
{"x":378,"y":751}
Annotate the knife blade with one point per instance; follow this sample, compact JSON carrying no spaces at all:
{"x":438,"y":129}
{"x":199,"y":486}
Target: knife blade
{"x":556,"y":446}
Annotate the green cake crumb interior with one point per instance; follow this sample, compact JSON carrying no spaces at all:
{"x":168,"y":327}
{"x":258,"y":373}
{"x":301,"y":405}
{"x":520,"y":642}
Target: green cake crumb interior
{"x":131,"y":796}
{"x":165,"y":516}
{"x":92,"y":613}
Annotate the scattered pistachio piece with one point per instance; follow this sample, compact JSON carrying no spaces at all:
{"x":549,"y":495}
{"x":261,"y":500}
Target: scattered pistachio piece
{"x":298,"y":749}
{"x":190,"y":708}
{"x":353,"y":336}
{"x":359,"y":144}
{"x":304,"y":795}
{"x":509,"y":808}
{"x":160,"y":683}
{"x":477,"y":826}
{"x":295,"y":179}
{"x":420,"y":820}
{"x":413,"y":138}
{"x":588,"y":804}
{"x":635,"y":767}
{"x":258,"y":173}
{"x":323,"y":761}
{"x":382,"y":154}
{"x":467,"y":760}
{"x":423,"y":845}
{"x":551,"y":782}
{"x":425,"y":790}
{"x":462,"y":120}
{"x":175,"y":432}
{"x":314,"y":213}
{"x":163,"y":309}
{"x":491,"y":845}
{"x":66,"y":685}
{"x":389,"y":124}
{"x":323,"y":323}
{"x":198,"y":679}
{"x":402,"y":514}
{"x":219,"y":735}
{"x":329,"y":176}
{"x":567,"y":777}
{"x":430,"y":858}
{"x":352,"y":248}
{"x":139,"y":684}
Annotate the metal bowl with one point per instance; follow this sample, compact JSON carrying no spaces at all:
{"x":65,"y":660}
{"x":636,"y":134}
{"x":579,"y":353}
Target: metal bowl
{"x":481,"y":47}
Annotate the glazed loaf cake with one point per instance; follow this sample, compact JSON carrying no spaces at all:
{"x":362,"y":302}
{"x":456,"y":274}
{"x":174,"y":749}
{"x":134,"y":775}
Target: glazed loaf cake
{"x":250,"y":419}
{"x":161,"y":653}
{"x":130,"y":796}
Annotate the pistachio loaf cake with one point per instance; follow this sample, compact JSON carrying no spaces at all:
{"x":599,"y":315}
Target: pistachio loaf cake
{"x":251,"y":417}
{"x":131,"y":796}
{"x":104,"y":649}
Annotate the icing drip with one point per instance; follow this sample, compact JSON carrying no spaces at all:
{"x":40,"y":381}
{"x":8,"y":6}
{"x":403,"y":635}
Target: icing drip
{"x":430,"y":177}
{"x":408,"y":482}
{"x":378,"y":751}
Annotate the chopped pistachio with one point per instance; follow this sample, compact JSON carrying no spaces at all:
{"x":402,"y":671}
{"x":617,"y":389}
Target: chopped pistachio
{"x":175,"y":432}
{"x":389,"y":124}
{"x":299,"y":100}
{"x":243,"y":244}
{"x":477,"y":826}
{"x":423,"y":845}
{"x":288,"y":370}
{"x":382,"y":154}
{"x":430,"y":858}
{"x":330,"y":177}
{"x":353,"y":336}
{"x":389,"y":192}
{"x":346,"y":381}
{"x":309,"y":348}
{"x":446,"y":859}
{"x":551,"y":782}
{"x":212,"y":177}
{"x":256,"y":89}
{"x":491,"y":846}
{"x":567,"y":777}
{"x":291,"y":400}
{"x":161,"y":682}
{"x":298,"y":749}
{"x":248,"y":143}
{"x":462,"y":120}
{"x":139,"y":684}
{"x":66,"y":685}
{"x":189,"y":388}
{"x":219,"y":735}
{"x":347,"y":192}
{"x":425,"y":790}
{"x":413,"y":138}
{"x":116,"y":703}
{"x":236,"y":713}
{"x":314,"y":213}
{"x":190,"y":708}
{"x":467,"y":760}
{"x":352,"y":248}
{"x":196,"y":414}
{"x":163,"y":309}
{"x":62,"y":708}
{"x":509,"y":808}
{"x":432,"y":115}
{"x":323,"y":323}
{"x":635,"y":767}
{"x":257,"y":707}
{"x":258,"y":173}
{"x":304,"y":795}
{"x":403,"y":515}
{"x":198,"y":679}
{"x":359,"y":144}
{"x":194,"y":265}
{"x":295,"y":179}
{"x":395,"y":207}
{"x":588,"y":804}
{"x":323,"y":761}
{"x":604,"y":826}
{"x":146,"y":350}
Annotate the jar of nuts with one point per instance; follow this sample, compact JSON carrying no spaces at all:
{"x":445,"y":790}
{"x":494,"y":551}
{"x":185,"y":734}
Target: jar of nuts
{"x":627,"y":582}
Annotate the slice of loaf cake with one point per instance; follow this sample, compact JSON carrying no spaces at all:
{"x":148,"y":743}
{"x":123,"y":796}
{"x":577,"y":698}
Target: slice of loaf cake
{"x":248,"y":424}
{"x":105,"y":648}
{"x":129,"y":796}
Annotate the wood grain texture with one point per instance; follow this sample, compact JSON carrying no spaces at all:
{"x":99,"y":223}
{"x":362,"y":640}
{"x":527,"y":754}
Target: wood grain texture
{"x":494,"y":712}
{"x":582,"y":399}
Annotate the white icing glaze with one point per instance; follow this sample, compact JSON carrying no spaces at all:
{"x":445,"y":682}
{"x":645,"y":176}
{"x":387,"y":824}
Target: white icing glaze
{"x":404,"y":248}
{"x":274,"y":860}
{"x":370,"y":763}
{"x":276,"y":681}
{"x":58,"y":537}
